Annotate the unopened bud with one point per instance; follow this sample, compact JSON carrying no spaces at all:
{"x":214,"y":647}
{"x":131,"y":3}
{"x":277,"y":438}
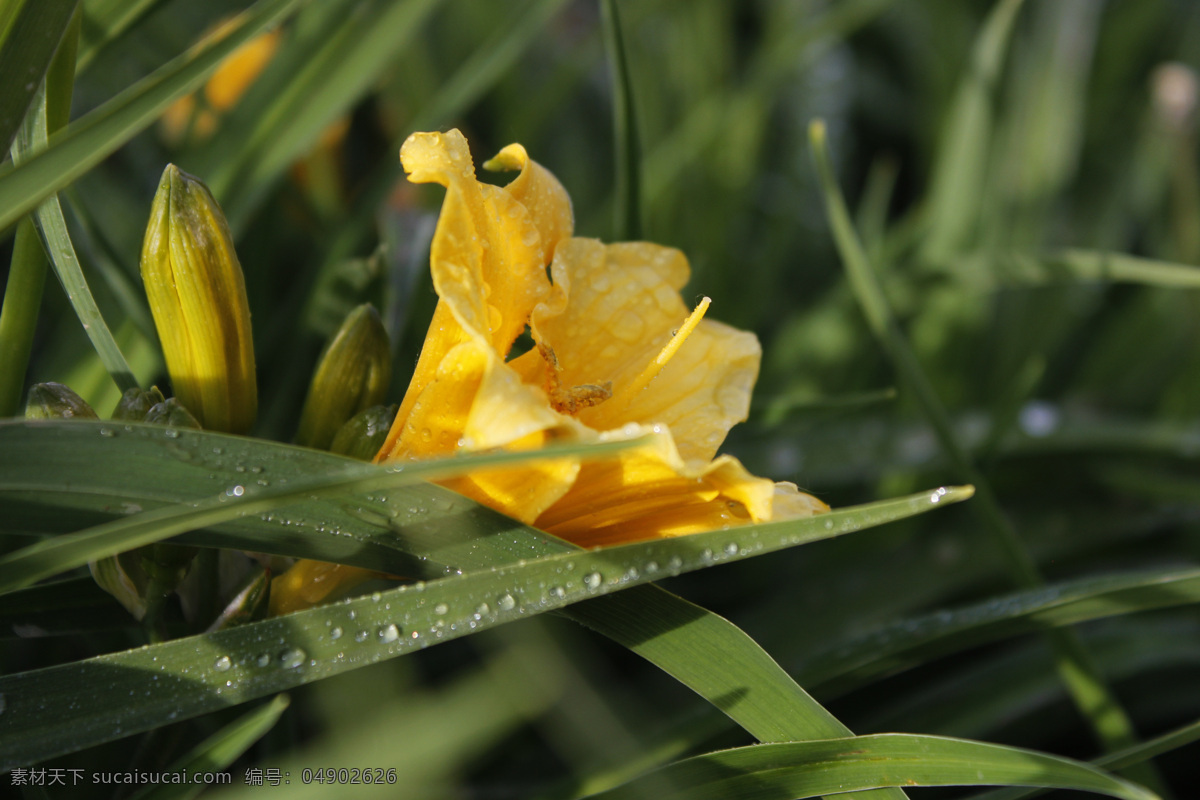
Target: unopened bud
{"x":122,"y":576}
{"x":352,"y":375}
{"x":363,"y":435}
{"x":198,"y":297}
{"x":56,"y":401}
{"x":171,"y":412}
{"x":136,"y":403}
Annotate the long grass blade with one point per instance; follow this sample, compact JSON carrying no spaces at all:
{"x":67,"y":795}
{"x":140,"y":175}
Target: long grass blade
{"x":30,"y":31}
{"x":810,"y":769}
{"x":627,"y":211}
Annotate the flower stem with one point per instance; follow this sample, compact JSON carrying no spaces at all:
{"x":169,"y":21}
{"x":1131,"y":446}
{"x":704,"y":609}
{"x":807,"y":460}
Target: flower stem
{"x":628,"y":203}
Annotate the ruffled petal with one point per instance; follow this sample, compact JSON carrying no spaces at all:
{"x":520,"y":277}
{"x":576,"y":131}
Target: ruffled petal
{"x":488,"y":259}
{"x":612,"y":309}
{"x":537,"y":189}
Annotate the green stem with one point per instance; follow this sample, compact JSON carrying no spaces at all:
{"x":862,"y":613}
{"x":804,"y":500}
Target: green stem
{"x":628,"y":204}
{"x":18,"y":316}
{"x":1083,"y":681}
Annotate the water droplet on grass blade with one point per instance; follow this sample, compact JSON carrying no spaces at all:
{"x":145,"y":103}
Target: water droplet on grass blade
{"x":292,"y":657}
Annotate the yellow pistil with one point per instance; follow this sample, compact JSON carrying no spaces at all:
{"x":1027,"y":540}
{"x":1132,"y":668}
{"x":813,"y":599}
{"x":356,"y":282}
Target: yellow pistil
{"x":630,"y":390}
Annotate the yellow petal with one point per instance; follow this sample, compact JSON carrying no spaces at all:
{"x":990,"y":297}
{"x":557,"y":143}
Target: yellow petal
{"x":486,"y":254}
{"x":539,"y":191}
{"x":488,"y":263}
{"x":476,"y":402}
{"x":650,"y":492}
{"x":309,"y":583}
{"x":240,"y":69}
{"x":612,"y":310}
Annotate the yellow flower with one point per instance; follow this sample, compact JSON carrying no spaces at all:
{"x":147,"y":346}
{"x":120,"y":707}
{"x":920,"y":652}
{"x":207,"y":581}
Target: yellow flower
{"x":616,"y":356}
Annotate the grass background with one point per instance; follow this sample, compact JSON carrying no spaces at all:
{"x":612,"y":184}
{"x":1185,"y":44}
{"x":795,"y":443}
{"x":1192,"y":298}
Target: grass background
{"x":987,"y":176}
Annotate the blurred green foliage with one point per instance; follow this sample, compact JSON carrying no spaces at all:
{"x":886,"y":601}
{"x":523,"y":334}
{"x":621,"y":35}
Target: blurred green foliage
{"x":987,"y":180}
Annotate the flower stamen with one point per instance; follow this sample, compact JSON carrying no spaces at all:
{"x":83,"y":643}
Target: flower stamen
{"x":630,"y":390}
{"x":575,"y":398}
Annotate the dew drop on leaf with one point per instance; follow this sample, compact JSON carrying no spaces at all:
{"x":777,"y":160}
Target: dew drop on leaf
{"x":292,"y":657}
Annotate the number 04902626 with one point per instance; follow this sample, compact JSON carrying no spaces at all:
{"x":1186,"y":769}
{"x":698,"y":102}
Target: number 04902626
{"x":350,"y":775}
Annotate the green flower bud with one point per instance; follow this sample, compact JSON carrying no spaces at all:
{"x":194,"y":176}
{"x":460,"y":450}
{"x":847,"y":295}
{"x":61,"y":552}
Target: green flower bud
{"x":122,"y":576}
{"x":171,"y":412}
{"x":363,"y":435}
{"x":352,"y":374}
{"x":136,"y":403}
{"x":198,"y":297}
{"x":56,"y":401}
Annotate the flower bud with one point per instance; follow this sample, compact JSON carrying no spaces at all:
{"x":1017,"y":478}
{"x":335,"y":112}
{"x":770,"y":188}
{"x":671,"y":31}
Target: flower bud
{"x":352,"y":374}
{"x":171,"y":412}
{"x":198,"y":297}
{"x":363,"y":435}
{"x":122,"y":576}
{"x":136,"y":403}
{"x":56,"y":401}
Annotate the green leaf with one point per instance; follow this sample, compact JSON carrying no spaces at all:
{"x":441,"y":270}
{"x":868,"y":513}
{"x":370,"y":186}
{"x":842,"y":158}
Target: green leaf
{"x":105,"y":20}
{"x":915,"y":641}
{"x":30,"y":31}
{"x":337,"y":70}
{"x":218,"y":751}
{"x":810,"y":769}
{"x":1169,"y":741}
{"x":957,"y":184}
{"x":93,"y":137}
{"x":49,"y":557}
{"x":198,"y":674}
